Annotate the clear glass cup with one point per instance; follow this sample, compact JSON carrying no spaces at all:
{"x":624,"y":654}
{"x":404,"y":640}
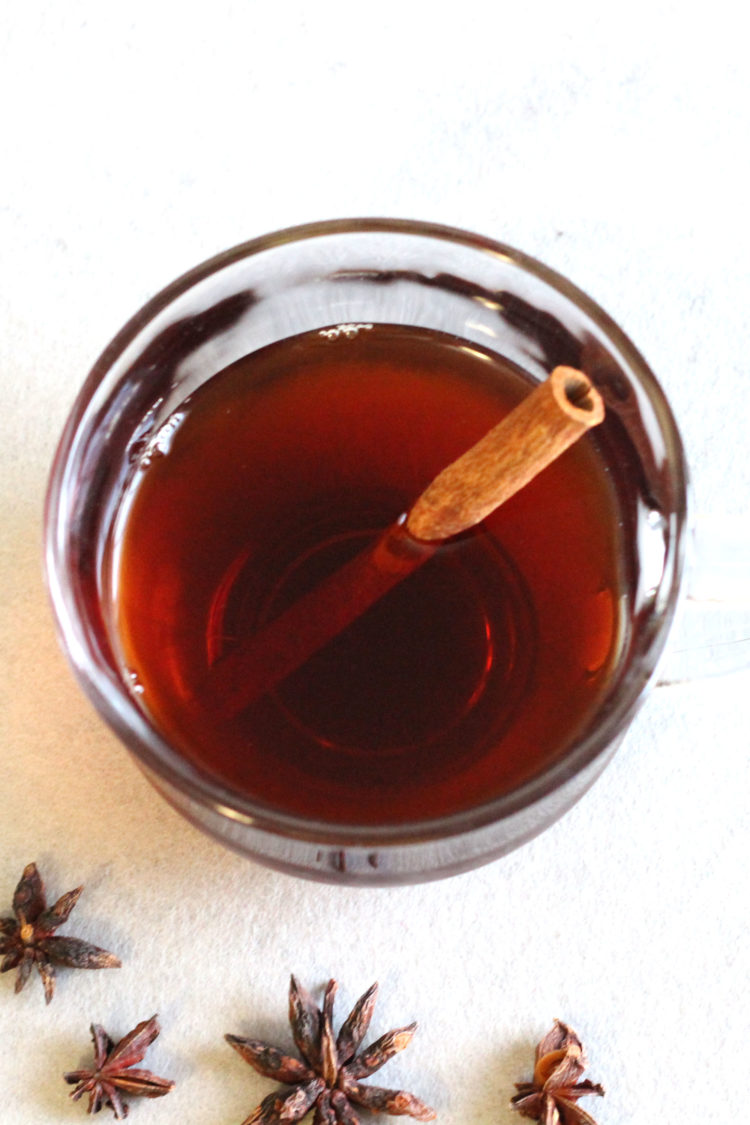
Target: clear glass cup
{"x":348,"y":272}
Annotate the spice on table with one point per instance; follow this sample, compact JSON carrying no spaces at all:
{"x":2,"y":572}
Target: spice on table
{"x":329,"y":1075}
{"x":113,"y":1075}
{"x":552,"y":1094}
{"x":29,"y":938}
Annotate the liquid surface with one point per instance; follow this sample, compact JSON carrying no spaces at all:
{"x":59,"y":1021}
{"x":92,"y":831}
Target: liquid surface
{"x":464,"y":680}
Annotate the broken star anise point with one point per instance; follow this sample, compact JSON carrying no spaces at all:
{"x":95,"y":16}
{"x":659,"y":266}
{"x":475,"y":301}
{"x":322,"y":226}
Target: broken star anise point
{"x":114,"y":1074}
{"x":328,"y":1076}
{"x":552,"y":1095}
{"x":28,"y":939}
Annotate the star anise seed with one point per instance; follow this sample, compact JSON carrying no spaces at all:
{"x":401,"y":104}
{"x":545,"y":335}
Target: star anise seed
{"x":28,"y":939}
{"x":552,"y":1095}
{"x":328,"y":1076}
{"x":114,"y":1074}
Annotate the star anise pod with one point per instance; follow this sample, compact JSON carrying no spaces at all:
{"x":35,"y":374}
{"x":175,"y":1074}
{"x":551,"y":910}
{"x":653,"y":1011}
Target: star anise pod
{"x":113,"y":1073}
{"x":552,"y":1095}
{"x":329,"y":1075}
{"x":28,"y":939}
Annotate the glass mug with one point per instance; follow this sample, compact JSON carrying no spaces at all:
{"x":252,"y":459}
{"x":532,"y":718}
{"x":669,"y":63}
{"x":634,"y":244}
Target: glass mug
{"x":381,"y":288}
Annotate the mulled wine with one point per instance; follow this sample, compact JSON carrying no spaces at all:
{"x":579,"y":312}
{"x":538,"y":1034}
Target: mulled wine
{"x":466,"y":679}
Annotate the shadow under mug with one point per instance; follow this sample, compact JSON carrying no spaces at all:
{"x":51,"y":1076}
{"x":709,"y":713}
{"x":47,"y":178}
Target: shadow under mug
{"x":345,"y":272}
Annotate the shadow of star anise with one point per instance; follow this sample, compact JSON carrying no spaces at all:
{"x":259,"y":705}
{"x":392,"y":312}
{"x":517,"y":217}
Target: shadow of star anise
{"x":329,"y":1075}
{"x":552,"y":1095}
{"x":114,"y":1074}
{"x":29,"y":938}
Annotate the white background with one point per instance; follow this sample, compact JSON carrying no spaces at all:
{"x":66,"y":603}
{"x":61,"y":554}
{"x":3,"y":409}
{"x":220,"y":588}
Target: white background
{"x":612,"y":143}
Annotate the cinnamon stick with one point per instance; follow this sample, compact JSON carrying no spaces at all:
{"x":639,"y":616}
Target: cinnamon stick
{"x":549,"y":420}
{"x":534,"y":434}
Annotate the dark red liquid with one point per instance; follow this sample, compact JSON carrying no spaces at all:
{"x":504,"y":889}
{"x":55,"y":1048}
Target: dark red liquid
{"x":467,"y":678}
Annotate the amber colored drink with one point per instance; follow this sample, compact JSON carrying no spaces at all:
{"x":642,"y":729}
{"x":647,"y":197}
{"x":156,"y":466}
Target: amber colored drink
{"x":466,"y":679}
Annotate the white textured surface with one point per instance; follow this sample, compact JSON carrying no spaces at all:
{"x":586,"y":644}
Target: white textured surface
{"x":611,"y":142}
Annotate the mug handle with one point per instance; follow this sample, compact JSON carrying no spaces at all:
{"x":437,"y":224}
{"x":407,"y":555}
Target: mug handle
{"x":711,"y":634}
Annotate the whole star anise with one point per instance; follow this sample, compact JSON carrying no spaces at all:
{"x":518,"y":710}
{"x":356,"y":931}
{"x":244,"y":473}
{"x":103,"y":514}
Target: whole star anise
{"x":552,"y":1095}
{"x":28,"y":939}
{"x":330,"y":1073}
{"x":113,"y":1073}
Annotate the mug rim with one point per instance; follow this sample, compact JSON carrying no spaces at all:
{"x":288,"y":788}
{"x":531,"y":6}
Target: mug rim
{"x":144,"y":740}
